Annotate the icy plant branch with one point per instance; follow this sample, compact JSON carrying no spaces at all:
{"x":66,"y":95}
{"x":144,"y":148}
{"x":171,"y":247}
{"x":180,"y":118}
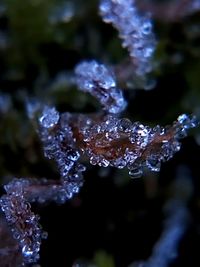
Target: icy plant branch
{"x":105,"y":138}
{"x":134,"y":29}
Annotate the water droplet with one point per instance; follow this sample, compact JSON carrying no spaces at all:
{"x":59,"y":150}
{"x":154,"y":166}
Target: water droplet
{"x":27,"y":252}
{"x":135,"y":173}
{"x":49,"y":117}
{"x":147,"y":28}
{"x":153,"y":163}
{"x":104,"y":163}
{"x":124,"y":125}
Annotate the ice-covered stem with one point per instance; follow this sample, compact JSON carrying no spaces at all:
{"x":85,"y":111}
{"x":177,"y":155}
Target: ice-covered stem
{"x":177,"y":219}
{"x":23,"y":222}
{"x":58,"y":143}
{"x":166,"y":248}
{"x":99,"y":81}
{"x":120,"y":143}
{"x":108,"y":141}
{"x":135,"y":29}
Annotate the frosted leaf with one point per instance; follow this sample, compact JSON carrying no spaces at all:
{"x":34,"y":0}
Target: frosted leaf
{"x":120,"y":143}
{"x":49,"y":117}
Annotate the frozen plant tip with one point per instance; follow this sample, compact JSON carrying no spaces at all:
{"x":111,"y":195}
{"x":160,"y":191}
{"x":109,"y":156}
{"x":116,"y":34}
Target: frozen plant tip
{"x":99,"y":81}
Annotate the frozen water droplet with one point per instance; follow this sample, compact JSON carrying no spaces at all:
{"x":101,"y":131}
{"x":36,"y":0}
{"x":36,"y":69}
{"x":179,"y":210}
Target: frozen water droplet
{"x":188,"y":121}
{"x":147,"y":27}
{"x":49,"y":117}
{"x":93,"y":160}
{"x":27,"y":252}
{"x":135,"y":173}
{"x":153,"y":163}
{"x":124,"y":125}
{"x":44,"y":235}
{"x":73,"y":155}
{"x":180,"y":133}
{"x":148,"y":51}
{"x":104,"y":163}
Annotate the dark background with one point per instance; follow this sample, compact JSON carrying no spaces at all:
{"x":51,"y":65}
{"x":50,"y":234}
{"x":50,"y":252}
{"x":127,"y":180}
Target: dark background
{"x":114,"y":220}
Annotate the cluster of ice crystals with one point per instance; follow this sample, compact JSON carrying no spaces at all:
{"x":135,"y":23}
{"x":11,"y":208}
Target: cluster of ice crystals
{"x":102,"y":135}
{"x":59,"y":145}
{"x":140,"y":134}
{"x":49,"y":117}
{"x":134,"y":29}
{"x":120,"y":143}
{"x":166,"y":149}
{"x":24,"y":223}
{"x":99,"y":81}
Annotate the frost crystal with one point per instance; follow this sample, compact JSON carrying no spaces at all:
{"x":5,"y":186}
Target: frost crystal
{"x":134,"y":29}
{"x":99,"y":81}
